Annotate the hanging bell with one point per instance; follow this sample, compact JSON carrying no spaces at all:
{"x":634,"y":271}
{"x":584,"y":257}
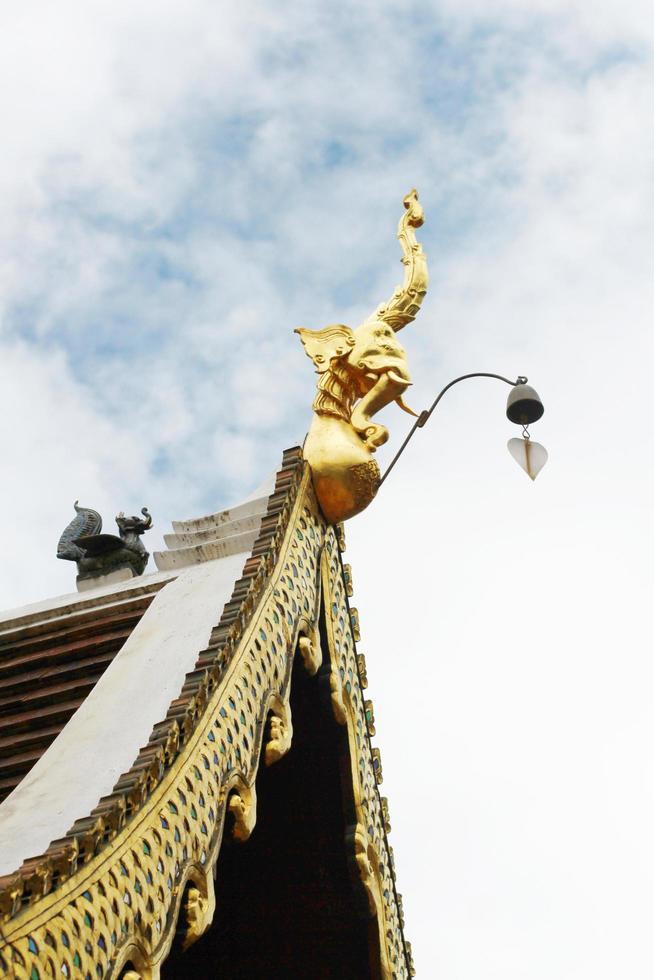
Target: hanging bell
{"x":523,"y":406}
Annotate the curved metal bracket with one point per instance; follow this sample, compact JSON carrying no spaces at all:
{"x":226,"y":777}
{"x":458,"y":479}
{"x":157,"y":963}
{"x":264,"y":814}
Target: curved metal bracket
{"x":424,"y":416}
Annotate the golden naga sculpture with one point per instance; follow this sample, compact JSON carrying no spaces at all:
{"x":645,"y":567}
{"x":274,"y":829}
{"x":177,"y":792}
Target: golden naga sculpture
{"x":360,"y":371}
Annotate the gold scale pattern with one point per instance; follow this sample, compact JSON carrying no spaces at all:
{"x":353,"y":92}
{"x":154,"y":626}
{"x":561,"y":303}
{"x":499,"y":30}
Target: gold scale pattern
{"x":116,"y":915}
{"x":348,"y":678}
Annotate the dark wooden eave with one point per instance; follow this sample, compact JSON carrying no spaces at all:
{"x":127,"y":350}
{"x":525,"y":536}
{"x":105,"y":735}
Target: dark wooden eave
{"x":49,"y":667}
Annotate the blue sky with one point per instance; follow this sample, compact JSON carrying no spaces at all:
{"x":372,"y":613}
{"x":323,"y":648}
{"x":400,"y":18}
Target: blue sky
{"x":180,"y":187}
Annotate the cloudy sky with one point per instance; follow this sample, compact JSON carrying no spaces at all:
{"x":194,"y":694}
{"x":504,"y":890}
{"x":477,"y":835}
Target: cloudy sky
{"x":182,"y":184}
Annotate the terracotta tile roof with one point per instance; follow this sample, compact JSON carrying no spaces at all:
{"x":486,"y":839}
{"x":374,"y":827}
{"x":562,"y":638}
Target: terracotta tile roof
{"x":49,"y":665}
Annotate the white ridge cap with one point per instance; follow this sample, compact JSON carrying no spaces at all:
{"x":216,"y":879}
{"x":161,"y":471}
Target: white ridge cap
{"x":246,"y":509}
{"x":238,"y":526}
{"x":254,"y":503}
{"x":216,"y":535}
{"x":208,"y":551}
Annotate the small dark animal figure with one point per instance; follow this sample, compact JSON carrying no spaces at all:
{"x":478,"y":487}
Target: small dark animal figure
{"x":98,"y":554}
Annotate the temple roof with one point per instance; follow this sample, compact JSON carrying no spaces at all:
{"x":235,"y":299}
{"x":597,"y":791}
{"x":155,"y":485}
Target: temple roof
{"x":54,"y":654}
{"x":167,"y":691}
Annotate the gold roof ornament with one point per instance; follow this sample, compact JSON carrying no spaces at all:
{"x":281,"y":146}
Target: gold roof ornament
{"x":359,"y":372}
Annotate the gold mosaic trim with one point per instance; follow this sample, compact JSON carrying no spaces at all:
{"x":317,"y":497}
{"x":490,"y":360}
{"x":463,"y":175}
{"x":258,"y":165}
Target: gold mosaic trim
{"x":40,"y":875}
{"x":121,"y":907}
{"x":115,"y":912}
{"x":348,"y":677}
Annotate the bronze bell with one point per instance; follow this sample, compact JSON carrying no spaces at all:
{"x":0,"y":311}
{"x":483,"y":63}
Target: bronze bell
{"x":523,"y":406}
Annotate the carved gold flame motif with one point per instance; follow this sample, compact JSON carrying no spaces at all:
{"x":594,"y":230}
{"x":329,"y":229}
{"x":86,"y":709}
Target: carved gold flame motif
{"x":359,"y":372}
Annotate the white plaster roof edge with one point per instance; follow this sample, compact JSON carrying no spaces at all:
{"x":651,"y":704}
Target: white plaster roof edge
{"x":77,"y":601}
{"x":117,"y":717}
{"x":254,"y":504}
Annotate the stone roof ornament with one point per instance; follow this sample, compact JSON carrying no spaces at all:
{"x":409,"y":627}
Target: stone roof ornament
{"x":103,"y":558}
{"x":359,"y":372}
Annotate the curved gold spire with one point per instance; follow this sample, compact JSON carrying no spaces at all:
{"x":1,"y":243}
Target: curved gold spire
{"x":360,"y":371}
{"x":405,"y":303}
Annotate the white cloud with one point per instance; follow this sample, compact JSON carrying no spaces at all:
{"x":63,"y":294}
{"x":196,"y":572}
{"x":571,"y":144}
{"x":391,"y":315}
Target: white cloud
{"x":180,"y":186}
{"x":55,"y":449}
{"x":526,"y":647}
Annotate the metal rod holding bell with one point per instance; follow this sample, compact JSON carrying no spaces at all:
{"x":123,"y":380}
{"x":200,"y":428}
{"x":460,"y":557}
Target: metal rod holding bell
{"x":523,"y":406}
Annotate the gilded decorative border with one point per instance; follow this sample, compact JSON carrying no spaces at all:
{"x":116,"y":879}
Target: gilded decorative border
{"x":107,"y":898}
{"x":348,"y":678}
{"x":120,"y":908}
